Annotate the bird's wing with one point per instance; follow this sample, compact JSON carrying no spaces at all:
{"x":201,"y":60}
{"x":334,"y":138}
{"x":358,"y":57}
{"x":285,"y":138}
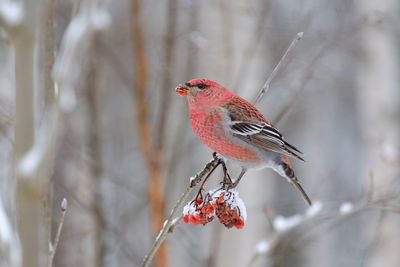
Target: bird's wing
{"x":248,"y":124}
{"x":263,"y":135}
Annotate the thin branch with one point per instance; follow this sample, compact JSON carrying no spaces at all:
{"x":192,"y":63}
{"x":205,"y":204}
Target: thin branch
{"x":277,"y":67}
{"x":64,"y":206}
{"x":171,"y":221}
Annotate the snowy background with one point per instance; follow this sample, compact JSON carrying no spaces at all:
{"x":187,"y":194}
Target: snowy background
{"x":88,"y":113}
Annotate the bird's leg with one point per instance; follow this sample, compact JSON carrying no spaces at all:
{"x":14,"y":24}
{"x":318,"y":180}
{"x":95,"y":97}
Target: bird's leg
{"x":208,"y":175}
{"x":233,"y":185}
{"x":227,"y":178}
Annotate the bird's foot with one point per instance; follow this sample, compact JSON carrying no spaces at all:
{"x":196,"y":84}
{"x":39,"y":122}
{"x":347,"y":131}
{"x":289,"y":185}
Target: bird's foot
{"x":234,"y":184}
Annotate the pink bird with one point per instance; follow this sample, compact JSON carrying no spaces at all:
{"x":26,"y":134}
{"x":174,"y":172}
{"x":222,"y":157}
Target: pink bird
{"x":236,"y":130}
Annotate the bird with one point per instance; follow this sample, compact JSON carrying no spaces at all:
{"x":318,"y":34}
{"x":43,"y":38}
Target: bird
{"x":237,"y":131}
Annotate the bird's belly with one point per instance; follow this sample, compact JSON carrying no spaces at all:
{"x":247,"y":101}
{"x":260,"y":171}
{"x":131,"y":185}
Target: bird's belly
{"x":210,"y":130}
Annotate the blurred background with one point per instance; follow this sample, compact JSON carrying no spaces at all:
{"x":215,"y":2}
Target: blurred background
{"x":88,"y":113}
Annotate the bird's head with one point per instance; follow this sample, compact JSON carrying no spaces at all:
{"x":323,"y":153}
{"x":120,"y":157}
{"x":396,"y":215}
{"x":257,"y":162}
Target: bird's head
{"x":200,"y":90}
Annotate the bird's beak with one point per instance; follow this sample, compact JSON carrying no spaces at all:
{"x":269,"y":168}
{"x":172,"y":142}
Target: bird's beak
{"x":182,"y":89}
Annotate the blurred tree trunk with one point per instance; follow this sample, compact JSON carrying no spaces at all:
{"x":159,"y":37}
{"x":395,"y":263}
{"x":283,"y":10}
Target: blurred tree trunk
{"x":96,"y":166}
{"x":31,"y":186}
{"x":380,"y":104}
{"x":151,"y":154}
{"x":48,"y":98}
{"x":29,"y":190}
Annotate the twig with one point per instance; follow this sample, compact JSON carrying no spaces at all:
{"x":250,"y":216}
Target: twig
{"x":64,"y":205}
{"x":277,"y":67}
{"x":170,"y":221}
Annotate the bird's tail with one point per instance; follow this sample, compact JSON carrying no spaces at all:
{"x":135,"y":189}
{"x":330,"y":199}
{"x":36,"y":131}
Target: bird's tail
{"x":289,"y":173}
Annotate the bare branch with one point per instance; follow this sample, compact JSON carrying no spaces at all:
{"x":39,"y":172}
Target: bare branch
{"x":277,"y":67}
{"x":64,"y":206}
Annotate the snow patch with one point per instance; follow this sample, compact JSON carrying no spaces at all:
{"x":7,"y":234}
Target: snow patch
{"x":198,"y":39}
{"x":235,"y":200}
{"x":346,"y":207}
{"x":175,"y":220}
{"x":5,"y":227}
{"x":101,"y":19}
{"x":9,"y":238}
{"x":189,"y":208}
{"x":262,"y":247}
{"x":68,"y":100}
{"x":56,"y":89}
{"x":389,"y":151}
{"x":282,"y":224}
{"x":29,"y":163}
{"x":314,"y":209}
{"x":12,"y":12}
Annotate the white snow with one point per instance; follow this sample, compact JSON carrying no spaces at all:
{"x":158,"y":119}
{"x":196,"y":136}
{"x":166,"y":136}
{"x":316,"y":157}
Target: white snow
{"x":101,"y":19}
{"x":29,"y":163}
{"x":68,"y":100}
{"x":65,"y":68}
{"x":262,"y":247}
{"x":175,"y":220}
{"x":189,"y":208}
{"x":346,"y":207}
{"x":389,"y":151}
{"x":198,"y":39}
{"x":237,"y":201}
{"x":31,"y":160}
{"x":9,"y":238}
{"x":5,"y":227}
{"x":285,"y":223}
{"x":282,"y":224}
{"x":64,"y":204}
{"x":12,"y":12}
{"x":220,"y":157}
{"x":74,"y":47}
{"x":314,"y":209}
{"x":56,"y":88}
{"x":232,"y":198}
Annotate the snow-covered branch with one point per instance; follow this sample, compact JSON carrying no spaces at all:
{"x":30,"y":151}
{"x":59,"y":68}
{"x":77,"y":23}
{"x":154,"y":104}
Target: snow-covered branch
{"x":74,"y":47}
{"x":172,"y":220}
{"x":302,"y":227}
{"x":8,"y":240}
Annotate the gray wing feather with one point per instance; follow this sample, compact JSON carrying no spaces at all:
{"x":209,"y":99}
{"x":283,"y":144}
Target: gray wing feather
{"x":265,"y":136}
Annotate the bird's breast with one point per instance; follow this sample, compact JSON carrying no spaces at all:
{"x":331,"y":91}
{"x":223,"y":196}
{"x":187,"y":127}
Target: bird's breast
{"x":211,"y":128}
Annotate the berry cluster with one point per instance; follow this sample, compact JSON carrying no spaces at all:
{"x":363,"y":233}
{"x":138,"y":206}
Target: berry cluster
{"x":225,"y":204}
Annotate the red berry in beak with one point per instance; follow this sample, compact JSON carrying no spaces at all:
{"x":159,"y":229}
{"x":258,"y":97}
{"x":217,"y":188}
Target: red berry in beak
{"x":182,"y":89}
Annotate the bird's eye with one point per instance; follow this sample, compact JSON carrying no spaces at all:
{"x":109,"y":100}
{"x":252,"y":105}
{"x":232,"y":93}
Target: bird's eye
{"x":200,"y":86}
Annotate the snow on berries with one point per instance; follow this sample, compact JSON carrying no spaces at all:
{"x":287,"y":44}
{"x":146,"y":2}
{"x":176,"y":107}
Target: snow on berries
{"x":225,"y":204}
